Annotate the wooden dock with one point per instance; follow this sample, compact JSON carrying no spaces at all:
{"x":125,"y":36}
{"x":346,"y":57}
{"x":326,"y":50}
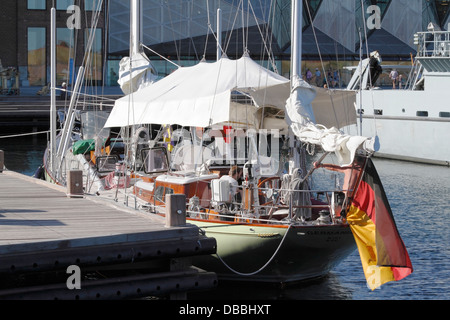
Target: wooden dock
{"x":121,"y":253}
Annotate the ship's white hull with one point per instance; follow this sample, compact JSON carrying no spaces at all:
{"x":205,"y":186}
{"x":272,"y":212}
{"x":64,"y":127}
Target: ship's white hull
{"x":411,"y":125}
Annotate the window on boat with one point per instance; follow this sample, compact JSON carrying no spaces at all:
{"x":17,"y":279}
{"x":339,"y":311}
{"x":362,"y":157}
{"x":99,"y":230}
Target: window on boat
{"x":168,"y":191}
{"x":92,"y":124}
{"x":378,"y":112}
{"x":422,"y":113}
{"x":159,"y":193}
{"x":117,"y":148}
{"x":106,"y":163}
{"x":155,"y":160}
{"x":444,"y":114}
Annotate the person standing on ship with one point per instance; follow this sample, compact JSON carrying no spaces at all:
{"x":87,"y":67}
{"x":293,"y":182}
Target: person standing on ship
{"x":394,"y":77}
{"x":233,"y":177}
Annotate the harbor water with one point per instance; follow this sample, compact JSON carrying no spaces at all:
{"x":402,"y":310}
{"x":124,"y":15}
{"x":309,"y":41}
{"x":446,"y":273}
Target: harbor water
{"x":420,"y":200}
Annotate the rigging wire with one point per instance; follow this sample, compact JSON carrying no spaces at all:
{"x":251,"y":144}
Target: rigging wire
{"x":265,"y":49}
{"x":370,"y":76}
{"x":232,"y":29}
{"x":208,"y":29}
{"x":161,"y":56}
{"x":321,"y":61}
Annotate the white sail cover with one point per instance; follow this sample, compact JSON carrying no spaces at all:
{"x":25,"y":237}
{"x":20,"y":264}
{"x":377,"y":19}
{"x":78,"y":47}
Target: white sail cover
{"x":200,"y":95}
{"x":141,"y":75}
{"x":301,"y":119}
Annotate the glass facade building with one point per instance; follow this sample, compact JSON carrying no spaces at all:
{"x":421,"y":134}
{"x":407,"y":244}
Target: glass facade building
{"x":36,"y":56}
{"x":36,"y":4}
{"x":335,"y":32}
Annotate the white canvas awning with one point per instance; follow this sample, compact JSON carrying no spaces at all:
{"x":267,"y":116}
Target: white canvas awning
{"x":200,"y":95}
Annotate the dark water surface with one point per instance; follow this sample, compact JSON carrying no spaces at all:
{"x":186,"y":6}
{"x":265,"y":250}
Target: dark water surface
{"x":420,"y":199}
{"x":23,"y":154}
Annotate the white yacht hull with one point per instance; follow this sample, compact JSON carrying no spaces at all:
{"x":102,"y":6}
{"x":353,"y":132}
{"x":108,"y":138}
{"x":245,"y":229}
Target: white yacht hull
{"x":411,"y":125}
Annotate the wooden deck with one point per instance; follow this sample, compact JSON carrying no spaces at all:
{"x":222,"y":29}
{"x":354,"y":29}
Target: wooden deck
{"x":43,"y":230}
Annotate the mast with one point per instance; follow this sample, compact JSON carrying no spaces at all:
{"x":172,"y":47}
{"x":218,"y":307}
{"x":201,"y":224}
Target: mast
{"x":296,"y":63}
{"x":296,"y":39}
{"x":135,"y":29}
{"x":219,"y":34}
{"x":53,"y":89}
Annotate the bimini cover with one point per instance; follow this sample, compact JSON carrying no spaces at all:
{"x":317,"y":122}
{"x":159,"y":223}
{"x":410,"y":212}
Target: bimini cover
{"x":200,"y":95}
{"x":305,"y":125}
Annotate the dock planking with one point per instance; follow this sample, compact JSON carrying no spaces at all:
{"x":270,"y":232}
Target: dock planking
{"x":43,"y":229}
{"x":31,"y":212}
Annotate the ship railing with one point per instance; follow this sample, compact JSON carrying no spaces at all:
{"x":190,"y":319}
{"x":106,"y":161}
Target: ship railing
{"x":265,"y":212}
{"x":239,"y":218}
{"x":329,"y":202}
{"x":414,"y":76}
{"x":433,"y":43}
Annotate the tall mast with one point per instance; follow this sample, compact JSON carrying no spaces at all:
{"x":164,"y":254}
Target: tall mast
{"x":296,"y":39}
{"x":53,"y":89}
{"x":135,"y":28}
{"x":296,"y":61}
{"x":219,"y":34}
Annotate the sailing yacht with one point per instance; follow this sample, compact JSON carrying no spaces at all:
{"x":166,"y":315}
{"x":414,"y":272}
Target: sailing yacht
{"x":412,"y":121}
{"x":83,"y":143}
{"x":276,"y":225}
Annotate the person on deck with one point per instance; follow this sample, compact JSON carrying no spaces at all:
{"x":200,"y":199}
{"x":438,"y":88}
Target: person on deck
{"x":394,"y":77}
{"x":233,"y":177}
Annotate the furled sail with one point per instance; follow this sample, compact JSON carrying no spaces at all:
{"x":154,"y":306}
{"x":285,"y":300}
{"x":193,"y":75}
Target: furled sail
{"x":135,"y":73}
{"x":302,"y":121}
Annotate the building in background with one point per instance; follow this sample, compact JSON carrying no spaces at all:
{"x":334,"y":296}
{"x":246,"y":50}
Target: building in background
{"x":334,"y":33}
{"x":25,"y":39}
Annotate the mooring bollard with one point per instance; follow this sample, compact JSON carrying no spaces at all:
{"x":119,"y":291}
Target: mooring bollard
{"x":2,"y":160}
{"x":175,"y":210}
{"x":75,"y":184}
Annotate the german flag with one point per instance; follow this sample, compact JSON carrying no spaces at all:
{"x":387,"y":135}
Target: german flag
{"x":383,"y":254}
